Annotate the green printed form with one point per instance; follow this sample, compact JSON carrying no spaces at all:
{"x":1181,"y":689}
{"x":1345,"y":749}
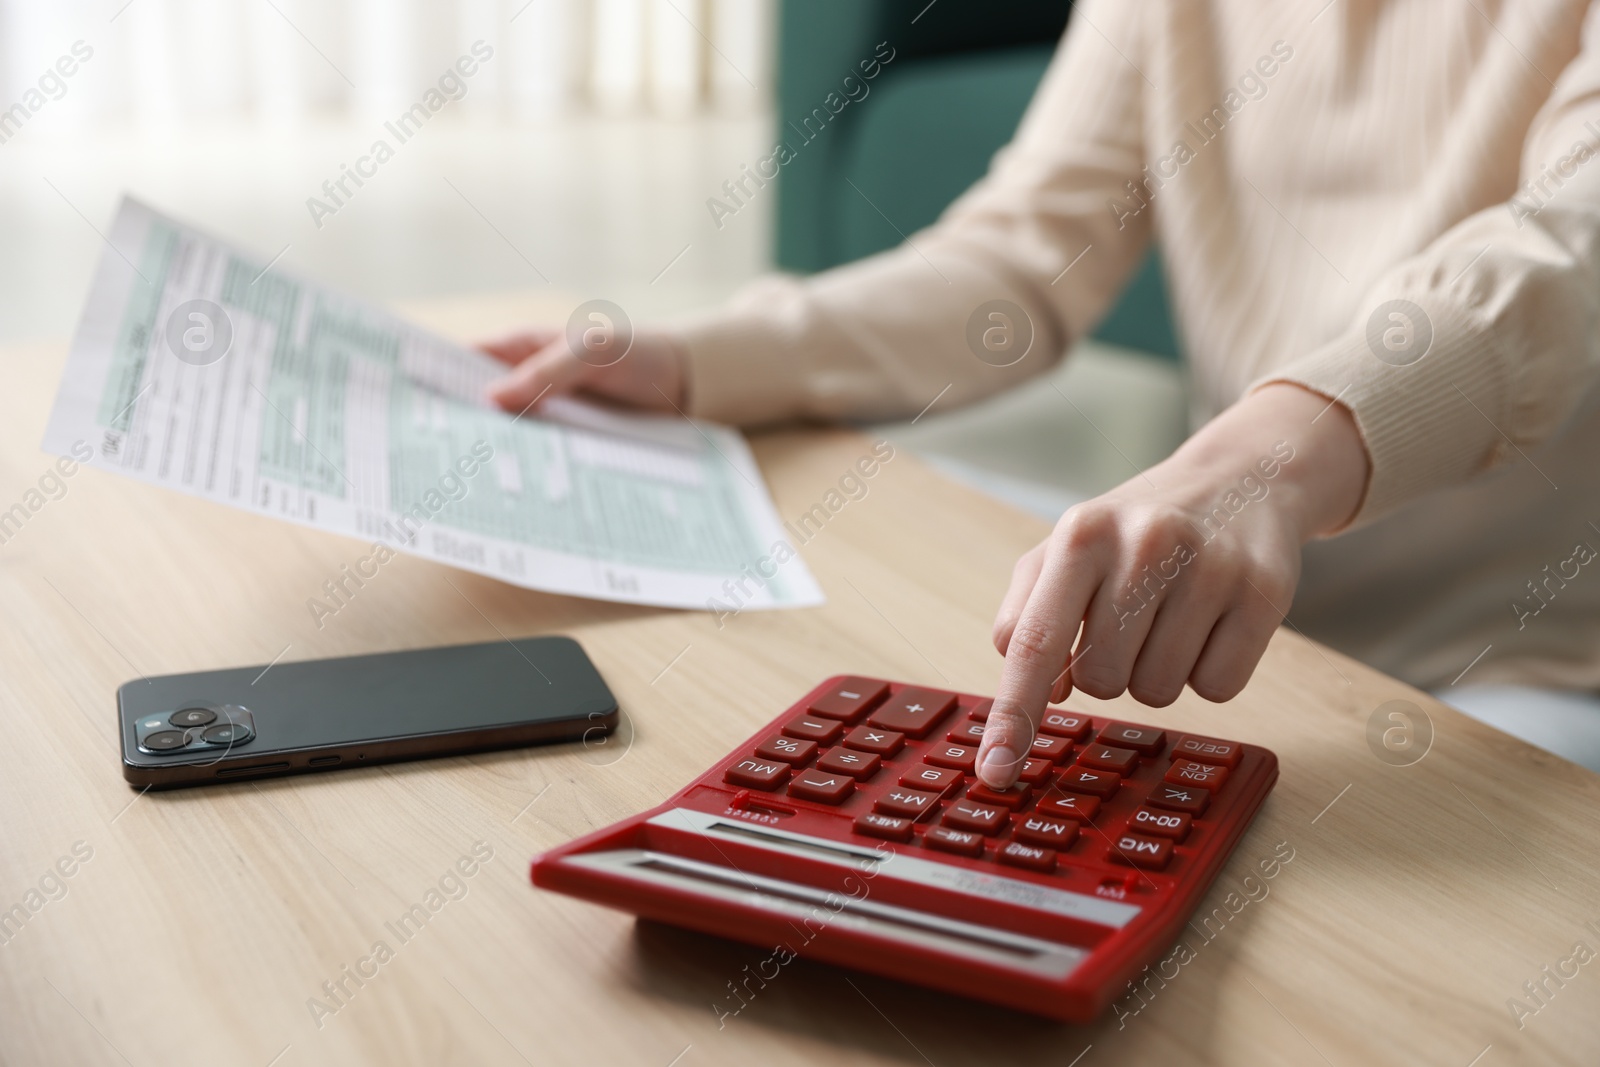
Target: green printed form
{"x":325,"y":411}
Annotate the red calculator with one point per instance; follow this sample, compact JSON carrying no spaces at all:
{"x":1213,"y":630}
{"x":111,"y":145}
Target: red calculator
{"x":851,"y":829}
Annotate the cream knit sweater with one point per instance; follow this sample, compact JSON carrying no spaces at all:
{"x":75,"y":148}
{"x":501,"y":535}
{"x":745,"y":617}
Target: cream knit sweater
{"x":1337,"y":188}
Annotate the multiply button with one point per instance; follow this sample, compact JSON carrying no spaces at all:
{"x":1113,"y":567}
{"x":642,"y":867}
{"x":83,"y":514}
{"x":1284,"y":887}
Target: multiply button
{"x":867,"y":739}
{"x":823,"y":788}
{"x":849,"y":700}
{"x":756,"y":774}
{"x":914,"y":711}
{"x":1188,"y":772}
{"x":1142,"y":739}
{"x":1148,"y":852}
{"x":909,"y":803}
{"x":1207,"y":750}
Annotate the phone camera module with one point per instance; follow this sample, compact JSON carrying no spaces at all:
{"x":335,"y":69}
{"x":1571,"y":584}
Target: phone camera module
{"x":165,"y":740}
{"x":188,"y":717}
{"x":227,"y":733}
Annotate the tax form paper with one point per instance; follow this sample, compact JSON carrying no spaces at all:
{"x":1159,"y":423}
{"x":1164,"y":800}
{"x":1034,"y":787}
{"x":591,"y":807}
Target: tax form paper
{"x":200,"y":368}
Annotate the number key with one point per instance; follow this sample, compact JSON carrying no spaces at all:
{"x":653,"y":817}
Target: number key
{"x":1102,"y":784}
{"x":1106,"y":758}
{"x":959,"y":757}
{"x":1049,"y":748}
{"x":1146,"y":740}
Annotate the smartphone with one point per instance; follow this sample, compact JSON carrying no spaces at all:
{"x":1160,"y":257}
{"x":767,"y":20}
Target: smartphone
{"x":317,"y":715}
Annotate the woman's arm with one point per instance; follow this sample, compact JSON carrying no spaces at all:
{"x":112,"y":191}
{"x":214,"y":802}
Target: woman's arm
{"x":884,"y":336}
{"x":1179,"y":575}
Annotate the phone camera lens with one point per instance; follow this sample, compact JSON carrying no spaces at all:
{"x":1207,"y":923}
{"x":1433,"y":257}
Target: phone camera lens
{"x":227,"y":733}
{"x":165,"y":740}
{"x":193,"y":717}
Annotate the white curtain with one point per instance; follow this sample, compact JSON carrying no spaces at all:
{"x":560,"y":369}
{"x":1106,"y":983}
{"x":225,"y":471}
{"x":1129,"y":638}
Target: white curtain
{"x":174,"y":63}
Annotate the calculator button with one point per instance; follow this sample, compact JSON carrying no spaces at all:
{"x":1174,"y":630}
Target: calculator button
{"x":822,"y":787}
{"x":1034,"y":771}
{"x":937,"y":779}
{"x":1143,"y":739}
{"x":757,"y":774}
{"x":1148,"y":852}
{"x":1158,"y":823}
{"x":1070,"y":807}
{"x":1049,"y":748}
{"x":871,"y":739}
{"x":855,"y":764}
{"x":958,"y":841}
{"x":910,"y":803}
{"x":981,"y":710}
{"x":1032,"y":857}
{"x":967,"y":733}
{"x":850,"y":699}
{"x":1106,"y":758}
{"x":1049,"y":833}
{"x":1188,"y":772}
{"x":1102,"y":784}
{"x":888,"y":826}
{"x":787,"y":749}
{"x":914,"y":711}
{"x":981,"y":818}
{"x":822,"y":731}
{"x":1013,"y":798}
{"x":960,"y":757}
{"x":1068,"y":724}
{"x":1208,"y":750}
{"x":1184,"y":798}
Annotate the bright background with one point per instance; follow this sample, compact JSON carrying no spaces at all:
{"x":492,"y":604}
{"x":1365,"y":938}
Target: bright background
{"x":581,"y":155}
{"x":578,"y":164}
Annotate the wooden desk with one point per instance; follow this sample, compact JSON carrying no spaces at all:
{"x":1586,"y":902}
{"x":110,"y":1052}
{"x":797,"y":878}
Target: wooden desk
{"x":1418,"y":900}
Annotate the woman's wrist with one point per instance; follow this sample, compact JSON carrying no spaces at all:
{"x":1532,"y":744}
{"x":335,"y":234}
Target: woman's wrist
{"x":1312,"y":447}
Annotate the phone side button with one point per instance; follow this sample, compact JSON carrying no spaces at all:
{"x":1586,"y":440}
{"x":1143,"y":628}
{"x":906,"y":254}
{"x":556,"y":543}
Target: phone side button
{"x":254,"y":768}
{"x":322,"y":761}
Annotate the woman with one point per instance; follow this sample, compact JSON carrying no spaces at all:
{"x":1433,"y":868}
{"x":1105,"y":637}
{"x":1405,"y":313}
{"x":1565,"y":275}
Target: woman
{"x":1381,"y":225}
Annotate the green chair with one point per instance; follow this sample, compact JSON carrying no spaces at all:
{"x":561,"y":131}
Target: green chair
{"x":962,"y":75}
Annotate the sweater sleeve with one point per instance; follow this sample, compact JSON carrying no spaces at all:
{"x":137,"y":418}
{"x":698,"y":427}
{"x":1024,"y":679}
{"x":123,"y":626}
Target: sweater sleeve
{"x":1476,"y":349}
{"x":884,"y":336}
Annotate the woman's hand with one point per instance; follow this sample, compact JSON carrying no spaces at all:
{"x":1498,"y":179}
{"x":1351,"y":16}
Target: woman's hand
{"x":1180,"y":574}
{"x":651,"y":374}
